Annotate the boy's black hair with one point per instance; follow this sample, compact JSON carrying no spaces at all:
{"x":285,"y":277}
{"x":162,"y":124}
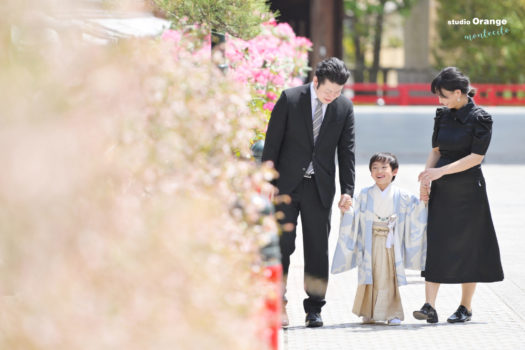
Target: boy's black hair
{"x":332,"y":69}
{"x":452,"y":79}
{"x":385,"y":157}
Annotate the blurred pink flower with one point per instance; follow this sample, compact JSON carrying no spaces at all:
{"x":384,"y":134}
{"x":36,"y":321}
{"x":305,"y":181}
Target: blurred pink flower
{"x":262,"y":76}
{"x":156,"y":160}
{"x":278,"y":79}
{"x":172,"y":35}
{"x":269,"y":106}
{"x":296,"y":82}
{"x":285,"y":30}
{"x":274,"y":60}
{"x":271,"y":95}
{"x":303,"y":42}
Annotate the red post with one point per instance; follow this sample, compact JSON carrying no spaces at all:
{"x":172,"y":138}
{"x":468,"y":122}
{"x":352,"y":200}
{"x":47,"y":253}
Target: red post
{"x":404,"y":95}
{"x":492,"y":96}
{"x":273,"y":303}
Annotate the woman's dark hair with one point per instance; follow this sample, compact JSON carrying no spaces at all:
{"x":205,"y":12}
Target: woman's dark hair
{"x":451,"y":79}
{"x":384,"y":157}
{"x":332,"y":69}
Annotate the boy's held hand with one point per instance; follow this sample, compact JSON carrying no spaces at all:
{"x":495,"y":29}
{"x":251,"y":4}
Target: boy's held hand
{"x":424,"y":192}
{"x":345,"y":202}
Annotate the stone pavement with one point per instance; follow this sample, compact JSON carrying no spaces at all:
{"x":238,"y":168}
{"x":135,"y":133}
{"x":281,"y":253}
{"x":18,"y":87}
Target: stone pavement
{"x":498,"y":308}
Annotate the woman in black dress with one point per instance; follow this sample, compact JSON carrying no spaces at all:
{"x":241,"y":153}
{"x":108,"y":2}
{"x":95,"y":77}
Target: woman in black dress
{"x":462,"y":244}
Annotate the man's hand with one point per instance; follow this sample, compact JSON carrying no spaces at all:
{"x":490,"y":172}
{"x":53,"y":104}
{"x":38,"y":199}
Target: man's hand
{"x":345,"y":202}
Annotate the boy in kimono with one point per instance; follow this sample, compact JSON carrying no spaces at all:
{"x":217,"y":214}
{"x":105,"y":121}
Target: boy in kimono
{"x":384,"y":234}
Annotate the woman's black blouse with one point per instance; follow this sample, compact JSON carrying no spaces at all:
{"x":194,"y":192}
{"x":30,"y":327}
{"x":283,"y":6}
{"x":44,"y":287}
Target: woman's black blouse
{"x":461,"y":132}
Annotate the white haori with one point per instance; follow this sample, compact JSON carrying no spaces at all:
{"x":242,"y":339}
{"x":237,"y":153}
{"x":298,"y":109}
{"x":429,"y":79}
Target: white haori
{"x":407,"y":218}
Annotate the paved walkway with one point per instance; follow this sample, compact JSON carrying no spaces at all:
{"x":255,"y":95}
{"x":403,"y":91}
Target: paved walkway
{"x":498,"y":308}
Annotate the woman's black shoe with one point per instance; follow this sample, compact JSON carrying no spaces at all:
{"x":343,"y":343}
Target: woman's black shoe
{"x":428,"y":313}
{"x":461,"y":315}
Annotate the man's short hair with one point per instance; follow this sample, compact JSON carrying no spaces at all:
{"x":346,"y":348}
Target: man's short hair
{"x":332,"y":69}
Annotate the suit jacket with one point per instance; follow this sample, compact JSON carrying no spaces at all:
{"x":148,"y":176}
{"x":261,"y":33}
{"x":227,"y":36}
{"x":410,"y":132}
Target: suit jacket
{"x":290,"y":143}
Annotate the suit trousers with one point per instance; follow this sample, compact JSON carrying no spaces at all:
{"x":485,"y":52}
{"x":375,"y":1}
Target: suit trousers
{"x":315,"y":220}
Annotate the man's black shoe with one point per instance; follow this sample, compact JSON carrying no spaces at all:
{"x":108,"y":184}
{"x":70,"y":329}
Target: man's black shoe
{"x":461,"y":315}
{"x":313,"y":319}
{"x":428,"y":313}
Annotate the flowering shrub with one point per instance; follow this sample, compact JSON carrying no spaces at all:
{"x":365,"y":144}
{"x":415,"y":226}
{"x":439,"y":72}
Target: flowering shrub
{"x":274,"y":60}
{"x":189,"y":41}
{"x":127,"y":220}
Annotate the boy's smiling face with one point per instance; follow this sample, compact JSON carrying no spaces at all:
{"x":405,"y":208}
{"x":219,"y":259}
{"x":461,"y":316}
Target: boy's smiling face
{"x":382,"y":174}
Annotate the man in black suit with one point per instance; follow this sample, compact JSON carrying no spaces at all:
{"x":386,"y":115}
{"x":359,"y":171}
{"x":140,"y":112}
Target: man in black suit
{"x":307,"y":125}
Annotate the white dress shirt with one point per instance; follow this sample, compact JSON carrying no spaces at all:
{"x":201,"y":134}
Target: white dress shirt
{"x":314,"y":101}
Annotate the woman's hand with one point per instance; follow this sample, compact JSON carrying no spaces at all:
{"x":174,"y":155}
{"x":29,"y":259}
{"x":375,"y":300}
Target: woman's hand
{"x":430,"y":174}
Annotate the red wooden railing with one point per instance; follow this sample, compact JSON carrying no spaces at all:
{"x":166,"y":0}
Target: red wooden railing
{"x":419,"y":94}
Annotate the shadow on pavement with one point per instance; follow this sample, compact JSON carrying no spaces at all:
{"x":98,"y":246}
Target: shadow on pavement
{"x":360,"y":327}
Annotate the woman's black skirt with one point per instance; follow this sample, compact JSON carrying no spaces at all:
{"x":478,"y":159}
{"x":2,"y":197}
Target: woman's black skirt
{"x":462,"y":243}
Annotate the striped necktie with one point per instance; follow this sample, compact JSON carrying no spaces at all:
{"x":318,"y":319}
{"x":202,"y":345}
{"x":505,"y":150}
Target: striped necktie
{"x":317,"y":121}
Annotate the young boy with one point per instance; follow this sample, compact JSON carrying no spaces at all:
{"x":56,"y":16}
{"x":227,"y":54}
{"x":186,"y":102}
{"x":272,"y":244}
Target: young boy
{"x":383,"y":234}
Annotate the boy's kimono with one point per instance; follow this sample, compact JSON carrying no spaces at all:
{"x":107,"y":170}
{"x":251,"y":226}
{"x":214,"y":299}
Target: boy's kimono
{"x":354,"y":246}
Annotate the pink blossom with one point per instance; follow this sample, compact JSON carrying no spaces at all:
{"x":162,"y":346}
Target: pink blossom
{"x":271,"y":95}
{"x":278,"y":79}
{"x":269,"y":106}
{"x":296,"y":82}
{"x":272,"y":61}
{"x":171,"y":35}
{"x":285,"y":30}
{"x":207,"y":40}
{"x":262,"y":76}
{"x":303,"y":42}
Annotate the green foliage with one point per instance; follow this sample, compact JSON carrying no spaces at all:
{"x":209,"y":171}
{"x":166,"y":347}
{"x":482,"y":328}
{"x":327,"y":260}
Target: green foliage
{"x":494,"y":59}
{"x":395,"y":42}
{"x":362,"y":13}
{"x":240,"y":18}
{"x":366,"y":28}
